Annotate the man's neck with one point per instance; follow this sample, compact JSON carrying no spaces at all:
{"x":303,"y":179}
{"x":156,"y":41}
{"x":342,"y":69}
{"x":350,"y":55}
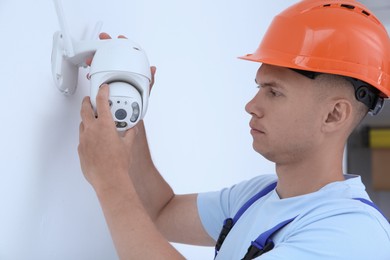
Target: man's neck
{"x":307,"y":176}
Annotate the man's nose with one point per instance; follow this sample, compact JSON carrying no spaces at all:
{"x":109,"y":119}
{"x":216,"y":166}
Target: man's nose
{"x":254,"y":106}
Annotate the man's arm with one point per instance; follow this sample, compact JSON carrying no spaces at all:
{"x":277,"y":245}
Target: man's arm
{"x":176,"y":216}
{"x":105,"y":159}
{"x":133,"y":233}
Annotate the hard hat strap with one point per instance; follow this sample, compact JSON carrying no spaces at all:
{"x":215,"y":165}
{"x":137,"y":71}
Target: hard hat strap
{"x":367,"y":94}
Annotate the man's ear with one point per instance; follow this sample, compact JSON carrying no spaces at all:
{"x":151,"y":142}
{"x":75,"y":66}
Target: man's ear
{"x":338,"y":115}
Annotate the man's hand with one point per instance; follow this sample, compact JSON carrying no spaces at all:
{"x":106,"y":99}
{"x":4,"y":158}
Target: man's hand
{"x":101,"y":150}
{"x":104,"y":155}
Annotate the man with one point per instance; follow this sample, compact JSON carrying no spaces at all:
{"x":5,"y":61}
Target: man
{"x":325,"y":64}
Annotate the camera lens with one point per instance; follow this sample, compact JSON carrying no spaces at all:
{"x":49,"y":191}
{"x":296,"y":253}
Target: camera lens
{"x":120,"y":114}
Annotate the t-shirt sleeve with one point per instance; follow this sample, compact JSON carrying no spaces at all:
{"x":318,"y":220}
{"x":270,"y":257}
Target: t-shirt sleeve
{"x":215,"y":207}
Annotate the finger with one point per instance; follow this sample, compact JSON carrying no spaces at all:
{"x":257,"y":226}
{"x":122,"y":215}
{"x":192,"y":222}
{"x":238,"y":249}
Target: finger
{"x":102,"y":105}
{"x":88,"y":61}
{"x":87,"y":113}
{"x":104,"y":36}
{"x":122,"y":37}
{"x":153,"y":70}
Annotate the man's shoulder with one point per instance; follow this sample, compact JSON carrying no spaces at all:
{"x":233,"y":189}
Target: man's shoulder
{"x":346,"y":217}
{"x":255,"y":184}
{"x":245,"y":190}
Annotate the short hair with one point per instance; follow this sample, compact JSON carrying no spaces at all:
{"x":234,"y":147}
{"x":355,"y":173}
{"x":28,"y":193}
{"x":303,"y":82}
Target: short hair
{"x":329,"y":82}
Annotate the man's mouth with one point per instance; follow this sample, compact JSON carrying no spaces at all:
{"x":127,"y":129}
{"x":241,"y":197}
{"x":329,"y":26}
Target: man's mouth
{"x":256,"y":129}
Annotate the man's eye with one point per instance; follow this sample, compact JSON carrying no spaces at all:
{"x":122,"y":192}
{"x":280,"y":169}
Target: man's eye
{"x":274,"y":93}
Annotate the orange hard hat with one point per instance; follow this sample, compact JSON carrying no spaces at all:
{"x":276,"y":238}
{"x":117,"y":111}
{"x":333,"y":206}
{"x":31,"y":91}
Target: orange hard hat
{"x":329,"y":36}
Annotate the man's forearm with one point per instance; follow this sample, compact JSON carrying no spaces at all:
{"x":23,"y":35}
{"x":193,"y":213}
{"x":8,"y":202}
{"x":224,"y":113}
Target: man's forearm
{"x":105,"y":160}
{"x":153,"y":191}
{"x":133,"y":233}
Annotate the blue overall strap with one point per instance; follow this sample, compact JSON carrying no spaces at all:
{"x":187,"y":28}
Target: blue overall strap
{"x":252,"y":200}
{"x":229,"y":222}
{"x":264,"y":243}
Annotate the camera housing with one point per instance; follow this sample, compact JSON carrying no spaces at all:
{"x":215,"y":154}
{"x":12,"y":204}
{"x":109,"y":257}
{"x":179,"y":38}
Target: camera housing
{"x":120,"y":63}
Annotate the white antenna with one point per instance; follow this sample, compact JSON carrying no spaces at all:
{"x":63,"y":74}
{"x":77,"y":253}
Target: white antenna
{"x":64,"y":29}
{"x":68,"y":55}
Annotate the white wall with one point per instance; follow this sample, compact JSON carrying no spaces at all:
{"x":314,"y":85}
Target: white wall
{"x":197,"y":126}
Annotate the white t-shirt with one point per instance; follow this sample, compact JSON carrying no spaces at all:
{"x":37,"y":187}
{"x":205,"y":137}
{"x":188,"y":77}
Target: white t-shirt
{"x":330,"y":224}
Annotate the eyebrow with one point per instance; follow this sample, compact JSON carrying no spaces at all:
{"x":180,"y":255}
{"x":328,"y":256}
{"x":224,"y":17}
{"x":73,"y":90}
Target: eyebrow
{"x":270,"y":84}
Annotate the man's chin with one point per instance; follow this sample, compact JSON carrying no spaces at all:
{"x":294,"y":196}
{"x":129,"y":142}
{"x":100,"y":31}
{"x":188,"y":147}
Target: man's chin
{"x":264,"y":153}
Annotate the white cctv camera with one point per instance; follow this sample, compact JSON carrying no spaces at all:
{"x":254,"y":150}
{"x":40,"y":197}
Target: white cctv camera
{"x":120,"y":63}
